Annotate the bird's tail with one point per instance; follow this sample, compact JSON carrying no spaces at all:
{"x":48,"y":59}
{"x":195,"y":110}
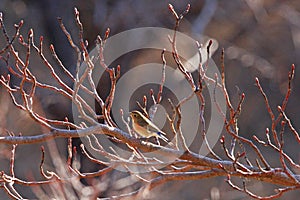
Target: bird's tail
{"x":161,"y":136}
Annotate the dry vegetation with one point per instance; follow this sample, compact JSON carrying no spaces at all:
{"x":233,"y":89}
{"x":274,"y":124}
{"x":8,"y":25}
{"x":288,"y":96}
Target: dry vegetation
{"x":67,"y":179}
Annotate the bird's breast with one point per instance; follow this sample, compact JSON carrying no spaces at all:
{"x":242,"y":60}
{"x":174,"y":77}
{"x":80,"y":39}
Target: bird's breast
{"x":142,"y":130}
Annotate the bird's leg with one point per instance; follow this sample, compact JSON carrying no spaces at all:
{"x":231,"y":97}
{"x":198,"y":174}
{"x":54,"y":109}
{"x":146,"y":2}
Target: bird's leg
{"x":157,"y":141}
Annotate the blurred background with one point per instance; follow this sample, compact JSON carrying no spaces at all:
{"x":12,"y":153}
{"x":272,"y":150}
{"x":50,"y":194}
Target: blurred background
{"x":261,"y":39}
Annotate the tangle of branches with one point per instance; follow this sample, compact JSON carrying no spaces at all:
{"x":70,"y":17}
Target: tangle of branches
{"x":186,"y":165}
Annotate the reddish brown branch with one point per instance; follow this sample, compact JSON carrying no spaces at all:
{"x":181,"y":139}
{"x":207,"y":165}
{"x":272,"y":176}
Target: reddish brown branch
{"x":186,"y":165}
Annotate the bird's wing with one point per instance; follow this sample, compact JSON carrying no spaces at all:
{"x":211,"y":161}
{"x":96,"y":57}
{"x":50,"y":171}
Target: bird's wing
{"x":154,"y":128}
{"x":151,"y":129}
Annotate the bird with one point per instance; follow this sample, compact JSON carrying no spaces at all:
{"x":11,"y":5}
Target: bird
{"x":145,"y":127}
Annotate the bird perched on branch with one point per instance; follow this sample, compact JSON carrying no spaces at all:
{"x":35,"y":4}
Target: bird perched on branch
{"x":145,"y":127}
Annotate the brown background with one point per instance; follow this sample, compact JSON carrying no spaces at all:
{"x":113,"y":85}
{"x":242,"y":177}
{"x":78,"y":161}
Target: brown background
{"x":261,"y":39}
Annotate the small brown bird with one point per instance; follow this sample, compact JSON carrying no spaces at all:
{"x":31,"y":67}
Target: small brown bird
{"x":145,"y":127}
